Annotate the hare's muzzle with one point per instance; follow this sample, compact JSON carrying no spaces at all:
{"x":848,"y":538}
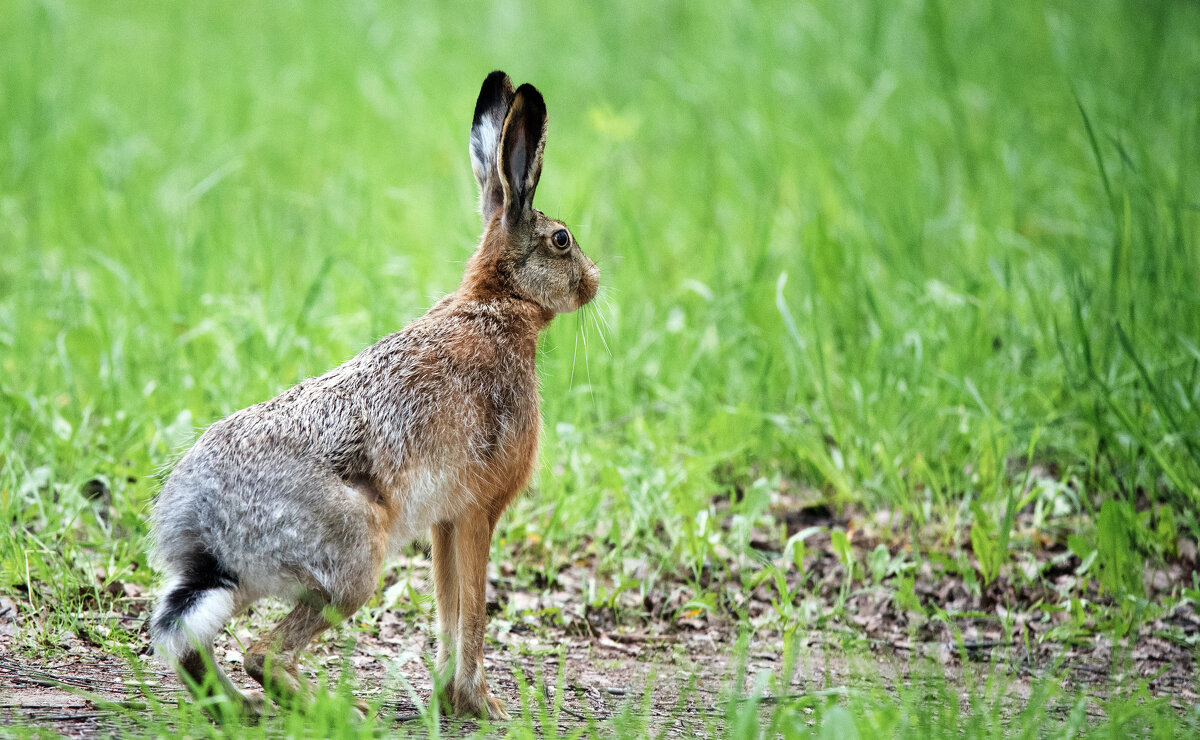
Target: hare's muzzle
{"x":589,"y":283}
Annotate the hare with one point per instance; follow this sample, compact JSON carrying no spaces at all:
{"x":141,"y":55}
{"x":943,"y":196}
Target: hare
{"x":433,"y":429}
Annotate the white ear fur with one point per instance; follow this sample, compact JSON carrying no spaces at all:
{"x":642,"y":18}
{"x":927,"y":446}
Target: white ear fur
{"x":491,"y":109}
{"x":485,"y":137}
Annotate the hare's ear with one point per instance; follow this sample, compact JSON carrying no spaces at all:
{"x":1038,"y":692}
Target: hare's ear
{"x":521,"y":147}
{"x":490,"y":110}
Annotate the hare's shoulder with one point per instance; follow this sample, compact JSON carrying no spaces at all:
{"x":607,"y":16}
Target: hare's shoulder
{"x":447,"y":342}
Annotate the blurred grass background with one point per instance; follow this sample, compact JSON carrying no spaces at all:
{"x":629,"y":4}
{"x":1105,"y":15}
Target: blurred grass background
{"x":884,"y":252}
{"x":934,"y":258}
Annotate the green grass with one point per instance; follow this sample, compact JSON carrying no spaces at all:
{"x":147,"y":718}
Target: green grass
{"x":920,"y":705}
{"x":891,"y":255}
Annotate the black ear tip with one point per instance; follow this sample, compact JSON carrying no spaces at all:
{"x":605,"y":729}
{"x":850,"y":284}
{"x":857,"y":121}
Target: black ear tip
{"x":497,"y":81}
{"x":531,"y":97}
{"x":497,"y":90}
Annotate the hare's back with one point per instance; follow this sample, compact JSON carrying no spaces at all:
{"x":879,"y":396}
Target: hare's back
{"x":265,"y":496}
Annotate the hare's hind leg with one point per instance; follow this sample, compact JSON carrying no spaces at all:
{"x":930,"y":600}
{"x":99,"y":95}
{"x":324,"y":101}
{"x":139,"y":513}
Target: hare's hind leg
{"x":192,"y":610}
{"x":273,"y":660}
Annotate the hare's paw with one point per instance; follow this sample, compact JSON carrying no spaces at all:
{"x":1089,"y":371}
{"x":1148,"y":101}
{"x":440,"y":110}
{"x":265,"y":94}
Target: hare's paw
{"x":478,"y":704}
{"x":253,"y":705}
{"x":495,"y":709}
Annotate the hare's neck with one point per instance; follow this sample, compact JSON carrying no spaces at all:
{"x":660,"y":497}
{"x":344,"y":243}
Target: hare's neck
{"x":519,"y":320}
{"x":485,"y":284}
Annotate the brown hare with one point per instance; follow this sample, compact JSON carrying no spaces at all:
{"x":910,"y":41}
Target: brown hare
{"x":433,"y":429}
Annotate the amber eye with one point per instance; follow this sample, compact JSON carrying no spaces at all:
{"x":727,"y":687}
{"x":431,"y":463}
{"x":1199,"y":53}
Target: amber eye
{"x":561,"y":238}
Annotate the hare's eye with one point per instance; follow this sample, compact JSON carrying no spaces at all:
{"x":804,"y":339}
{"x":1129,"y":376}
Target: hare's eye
{"x":561,"y":239}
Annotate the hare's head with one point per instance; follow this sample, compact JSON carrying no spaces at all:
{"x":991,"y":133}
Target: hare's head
{"x":524,"y":252}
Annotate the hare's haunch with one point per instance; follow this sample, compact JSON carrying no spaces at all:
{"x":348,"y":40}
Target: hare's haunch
{"x":433,"y":429}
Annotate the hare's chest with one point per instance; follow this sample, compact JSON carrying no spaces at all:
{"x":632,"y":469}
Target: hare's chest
{"x":508,"y":456}
{"x":425,"y":497}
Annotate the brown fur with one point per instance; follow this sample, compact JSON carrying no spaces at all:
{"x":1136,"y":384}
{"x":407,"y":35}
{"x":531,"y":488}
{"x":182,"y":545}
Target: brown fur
{"x":434,"y":427}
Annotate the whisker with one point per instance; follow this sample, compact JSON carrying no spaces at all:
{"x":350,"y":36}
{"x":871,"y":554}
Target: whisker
{"x":596,"y":319}
{"x":575,"y":354}
{"x":608,"y":303}
{"x":588,"y":369}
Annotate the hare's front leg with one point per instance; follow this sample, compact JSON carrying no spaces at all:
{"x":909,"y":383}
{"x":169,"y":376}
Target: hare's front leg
{"x":445,"y":589}
{"x":472,"y":538}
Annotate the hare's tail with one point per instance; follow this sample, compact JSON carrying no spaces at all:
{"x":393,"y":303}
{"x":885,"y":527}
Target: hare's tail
{"x":194,"y":607}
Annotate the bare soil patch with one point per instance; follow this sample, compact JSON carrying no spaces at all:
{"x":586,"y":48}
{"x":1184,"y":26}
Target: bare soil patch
{"x":686,"y":666}
{"x":652,"y":650}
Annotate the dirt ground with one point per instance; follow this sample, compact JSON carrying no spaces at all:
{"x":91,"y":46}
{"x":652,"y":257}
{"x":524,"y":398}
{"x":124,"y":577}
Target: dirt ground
{"x":685,"y":666}
{"x":653,"y":646}
{"x":602,"y":674}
